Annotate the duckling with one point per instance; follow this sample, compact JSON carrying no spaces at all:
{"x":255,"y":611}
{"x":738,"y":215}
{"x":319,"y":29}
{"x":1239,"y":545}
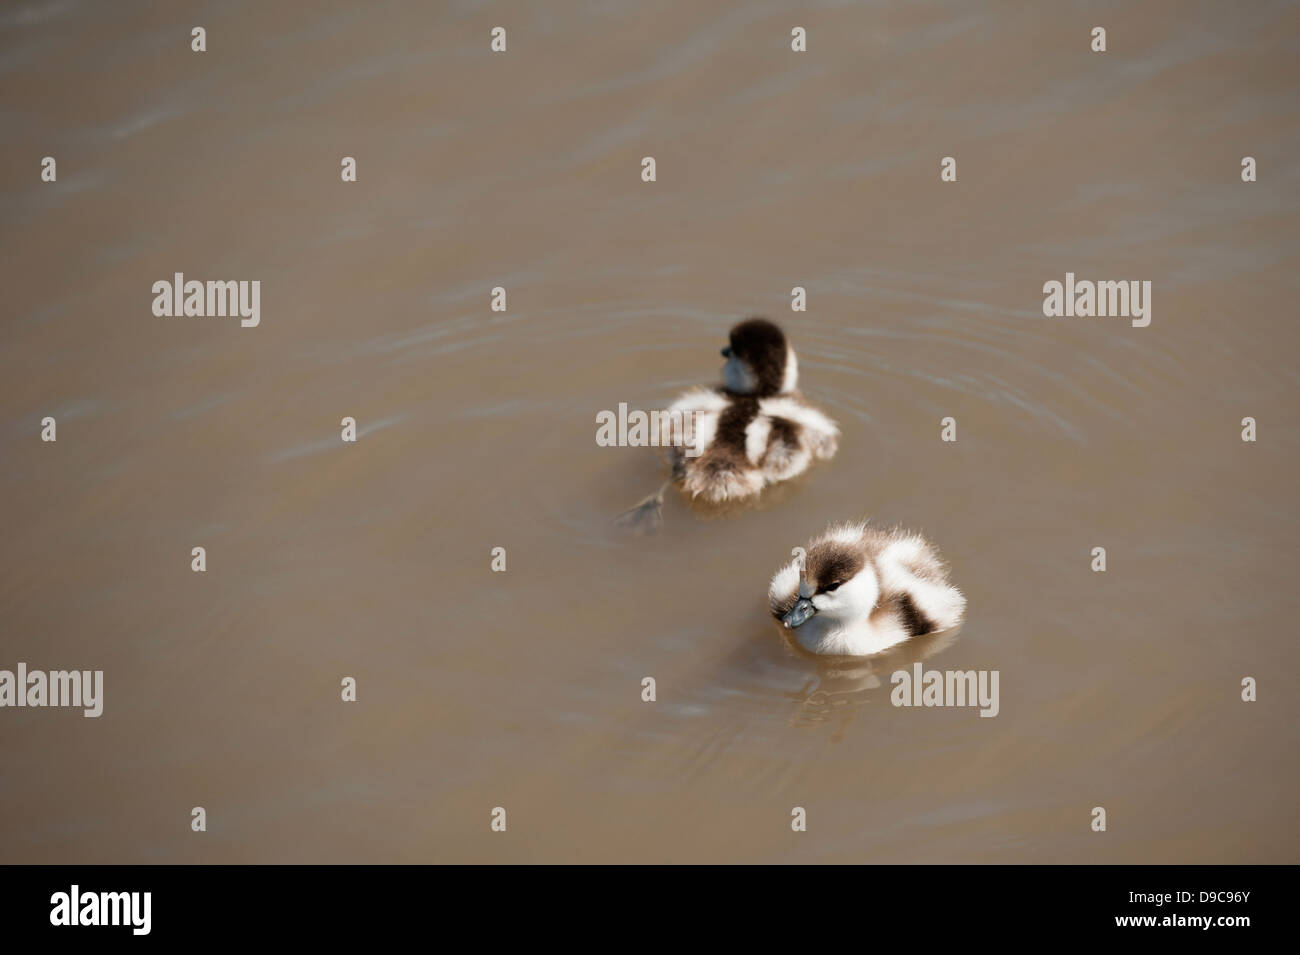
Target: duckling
{"x":752,"y":431}
{"x":861,"y":590}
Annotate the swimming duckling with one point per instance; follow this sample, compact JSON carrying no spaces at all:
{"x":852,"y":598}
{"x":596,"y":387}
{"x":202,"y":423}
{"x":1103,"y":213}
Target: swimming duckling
{"x":861,"y":591}
{"x":754,"y":430}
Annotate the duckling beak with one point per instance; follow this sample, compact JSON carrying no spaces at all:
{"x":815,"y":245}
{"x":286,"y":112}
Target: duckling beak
{"x":799,"y":613}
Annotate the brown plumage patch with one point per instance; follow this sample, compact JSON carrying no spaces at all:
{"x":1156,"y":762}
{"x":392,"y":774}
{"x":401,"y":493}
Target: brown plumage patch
{"x":829,"y":563}
{"x":761,"y":344}
{"x":726,"y":452}
{"x":727,"y":449}
{"x":732,"y":422}
{"x":913,"y":619}
{"x":782,"y":440}
{"x":723,"y":471}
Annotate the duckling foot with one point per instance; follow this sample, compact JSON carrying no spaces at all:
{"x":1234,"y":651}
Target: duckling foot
{"x":647,"y":517}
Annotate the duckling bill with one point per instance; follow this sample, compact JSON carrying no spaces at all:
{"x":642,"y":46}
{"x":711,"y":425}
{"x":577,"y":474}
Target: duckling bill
{"x":752,"y":431}
{"x":863,"y":590}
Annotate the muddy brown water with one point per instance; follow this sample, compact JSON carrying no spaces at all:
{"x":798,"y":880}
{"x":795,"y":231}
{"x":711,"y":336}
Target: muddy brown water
{"x":523,"y":689}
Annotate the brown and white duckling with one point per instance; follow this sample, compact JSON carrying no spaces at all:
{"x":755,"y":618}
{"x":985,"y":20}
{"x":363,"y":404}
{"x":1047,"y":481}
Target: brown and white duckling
{"x":756,"y":429}
{"x":862,"y":590}
{"x":753,"y":430}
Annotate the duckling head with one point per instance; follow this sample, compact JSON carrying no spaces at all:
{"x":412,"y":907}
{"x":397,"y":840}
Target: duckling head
{"x":838,"y":584}
{"x":760,"y":361}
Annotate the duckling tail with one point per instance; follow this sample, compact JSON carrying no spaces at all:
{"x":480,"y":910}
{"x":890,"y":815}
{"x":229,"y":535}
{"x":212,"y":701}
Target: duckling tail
{"x":647,"y":517}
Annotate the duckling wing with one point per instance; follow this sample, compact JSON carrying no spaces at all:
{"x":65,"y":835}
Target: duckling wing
{"x":783,"y":591}
{"x":790,"y":434}
{"x":693,"y":418}
{"x":914,"y":579}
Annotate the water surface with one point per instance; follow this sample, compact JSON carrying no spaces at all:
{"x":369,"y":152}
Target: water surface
{"x":523,"y":689}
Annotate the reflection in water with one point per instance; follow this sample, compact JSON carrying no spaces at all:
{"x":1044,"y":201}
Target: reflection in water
{"x":843,"y":685}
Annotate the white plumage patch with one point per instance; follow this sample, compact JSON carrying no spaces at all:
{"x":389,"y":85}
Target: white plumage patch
{"x":706,"y":429}
{"x":846,"y":533}
{"x":785,"y":584}
{"x":790,"y":379}
{"x":756,"y":435}
{"x":699,"y":399}
{"x":703,"y":405}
